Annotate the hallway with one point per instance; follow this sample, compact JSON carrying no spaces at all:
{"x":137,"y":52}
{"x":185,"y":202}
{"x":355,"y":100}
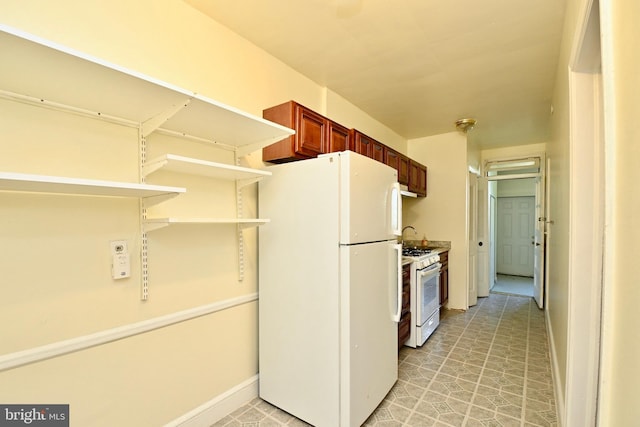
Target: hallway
{"x":488,"y":366}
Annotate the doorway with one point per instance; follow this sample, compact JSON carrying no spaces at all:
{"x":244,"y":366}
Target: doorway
{"x":515,"y":228}
{"x":515,"y":233}
{"x":514,"y":224}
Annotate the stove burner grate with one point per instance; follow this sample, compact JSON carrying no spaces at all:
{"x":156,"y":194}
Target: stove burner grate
{"x":414,"y":252}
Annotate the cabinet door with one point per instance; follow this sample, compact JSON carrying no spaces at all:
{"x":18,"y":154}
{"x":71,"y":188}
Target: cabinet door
{"x":417,"y":178}
{"x":361,"y":144}
{"x":444,"y":278}
{"x":377,"y":151}
{"x":312,"y":132}
{"x":399,"y":162}
{"x":403,"y":170}
{"x":338,"y":137}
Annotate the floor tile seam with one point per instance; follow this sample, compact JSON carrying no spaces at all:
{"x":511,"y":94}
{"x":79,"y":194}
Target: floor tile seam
{"x":477,"y":386}
{"x":495,"y":412}
{"x":413,"y":410}
{"x":523,"y":412}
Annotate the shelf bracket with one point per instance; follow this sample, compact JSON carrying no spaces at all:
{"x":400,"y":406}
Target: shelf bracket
{"x":245,"y":182}
{"x":154,"y":123}
{"x":147,"y":227}
{"x":239,"y":228}
{"x":148,"y":169}
{"x":144,"y":265}
{"x":154,"y":200}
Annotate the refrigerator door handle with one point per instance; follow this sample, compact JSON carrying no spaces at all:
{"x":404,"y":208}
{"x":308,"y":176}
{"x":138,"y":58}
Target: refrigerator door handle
{"x":397,"y":314}
{"x":395,"y":207}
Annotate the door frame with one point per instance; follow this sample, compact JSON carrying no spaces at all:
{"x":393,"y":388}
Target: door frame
{"x":473,"y":184}
{"x":542,"y":190}
{"x":586,"y":222}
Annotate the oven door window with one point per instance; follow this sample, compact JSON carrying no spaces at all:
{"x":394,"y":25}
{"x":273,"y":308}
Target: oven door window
{"x":429,"y":289}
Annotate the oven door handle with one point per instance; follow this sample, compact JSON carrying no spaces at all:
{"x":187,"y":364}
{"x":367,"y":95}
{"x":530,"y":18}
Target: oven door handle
{"x":432,"y":270}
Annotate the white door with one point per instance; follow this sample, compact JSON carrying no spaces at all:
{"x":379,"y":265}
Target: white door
{"x":472,"y":229}
{"x":493,"y":205}
{"x":539,"y":245}
{"x":483,"y":244}
{"x":516,"y":236}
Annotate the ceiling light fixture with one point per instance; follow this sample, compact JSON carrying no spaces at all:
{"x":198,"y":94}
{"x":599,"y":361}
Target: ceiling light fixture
{"x":465,"y":125}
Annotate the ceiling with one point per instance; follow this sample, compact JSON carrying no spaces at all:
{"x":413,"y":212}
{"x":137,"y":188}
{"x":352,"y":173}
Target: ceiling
{"x":418,"y":65}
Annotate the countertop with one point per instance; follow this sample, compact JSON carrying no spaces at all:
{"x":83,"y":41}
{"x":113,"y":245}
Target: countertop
{"x":437,"y":246}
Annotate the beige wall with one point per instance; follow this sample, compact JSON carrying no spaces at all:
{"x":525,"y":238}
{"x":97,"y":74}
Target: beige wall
{"x":620,"y":347}
{"x":55,"y":252}
{"x":442,"y":215}
{"x":621,"y":336}
{"x":558,"y":238}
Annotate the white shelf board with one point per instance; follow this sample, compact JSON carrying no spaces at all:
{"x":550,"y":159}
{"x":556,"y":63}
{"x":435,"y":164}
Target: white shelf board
{"x":45,"y":70}
{"x":10,"y":181}
{"x":151,"y":224}
{"x":191,"y":166}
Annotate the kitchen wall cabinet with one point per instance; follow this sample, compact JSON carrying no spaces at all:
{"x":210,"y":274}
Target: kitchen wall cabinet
{"x":367,"y":146}
{"x":399,"y":162}
{"x":444,"y":278}
{"x":404,"y":326}
{"x":339,"y":137}
{"x":417,"y":178}
{"x":315,"y":134}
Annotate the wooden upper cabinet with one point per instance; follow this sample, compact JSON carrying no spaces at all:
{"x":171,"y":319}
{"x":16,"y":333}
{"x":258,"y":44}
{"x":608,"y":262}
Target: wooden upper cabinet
{"x":399,"y":162}
{"x":316,"y":134}
{"x":361,"y":143}
{"x":377,"y":151}
{"x":312,"y":131}
{"x":339,"y":137}
{"x":367,"y":146}
{"x":417,"y":178}
{"x":310,"y":138}
{"x":403,"y":172}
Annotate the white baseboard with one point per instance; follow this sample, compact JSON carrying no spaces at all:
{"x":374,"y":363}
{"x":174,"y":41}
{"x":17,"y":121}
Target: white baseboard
{"x":555,"y":374}
{"x":220,"y":406}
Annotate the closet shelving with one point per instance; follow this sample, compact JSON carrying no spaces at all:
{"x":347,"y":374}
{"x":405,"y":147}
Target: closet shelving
{"x":188,"y":165}
{"x":11,"y":181}
{"x":40,"y":72}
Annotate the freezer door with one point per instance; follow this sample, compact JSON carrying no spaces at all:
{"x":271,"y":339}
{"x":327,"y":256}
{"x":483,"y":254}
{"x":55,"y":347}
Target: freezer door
{"x":368,"y":341}
{"x":370,"y":200}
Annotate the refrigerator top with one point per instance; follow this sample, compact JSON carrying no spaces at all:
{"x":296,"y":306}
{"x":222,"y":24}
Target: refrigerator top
{"x":370,"y":201}
{"x":341,"y":196}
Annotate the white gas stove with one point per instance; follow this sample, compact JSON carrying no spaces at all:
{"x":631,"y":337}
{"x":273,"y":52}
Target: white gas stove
{"x":425,"y":293}
{"x":422,"y":257}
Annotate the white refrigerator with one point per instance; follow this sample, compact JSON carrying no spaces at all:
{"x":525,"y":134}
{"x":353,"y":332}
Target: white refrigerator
{"x":330,"y":285}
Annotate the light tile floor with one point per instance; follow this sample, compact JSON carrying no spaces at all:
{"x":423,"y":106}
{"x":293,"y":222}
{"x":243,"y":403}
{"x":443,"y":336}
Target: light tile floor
{"x":488,"y":366}
{"x":514,"y":285}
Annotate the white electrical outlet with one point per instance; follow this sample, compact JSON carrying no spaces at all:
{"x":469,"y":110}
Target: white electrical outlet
{"x":120,"y":259}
